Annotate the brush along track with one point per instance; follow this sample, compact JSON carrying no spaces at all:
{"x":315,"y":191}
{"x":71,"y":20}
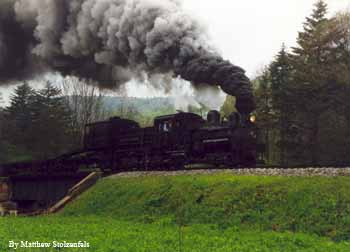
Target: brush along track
{"x":301,"y":172}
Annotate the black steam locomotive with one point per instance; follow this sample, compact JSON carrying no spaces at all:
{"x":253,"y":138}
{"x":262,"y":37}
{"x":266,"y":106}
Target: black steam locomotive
{"x":173,"y":141}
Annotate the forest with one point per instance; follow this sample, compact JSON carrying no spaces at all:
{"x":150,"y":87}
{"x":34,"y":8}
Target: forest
{"x":302,"y":97}
{"x":303,"y":106}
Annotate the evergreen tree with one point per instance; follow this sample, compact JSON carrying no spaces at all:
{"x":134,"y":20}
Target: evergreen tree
{"x":311,"y":26}
{"x":282,"y":99}
{"x":266,"y":118}
{"x":313,"y":78}
{"x":341,"y":67}
{"x":18,"y":116}
{"x":36,"y":124}
{"x":51,"y":119}
{"x":303,"y":96}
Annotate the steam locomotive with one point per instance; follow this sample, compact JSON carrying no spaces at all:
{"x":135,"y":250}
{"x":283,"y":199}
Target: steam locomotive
{"x":171,"y":143}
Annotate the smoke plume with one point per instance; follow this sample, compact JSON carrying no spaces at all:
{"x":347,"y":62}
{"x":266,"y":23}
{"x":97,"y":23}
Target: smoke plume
{"x":112,"y":41}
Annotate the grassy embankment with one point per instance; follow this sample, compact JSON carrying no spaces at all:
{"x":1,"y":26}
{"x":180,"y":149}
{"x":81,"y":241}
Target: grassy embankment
{"x":200,"y":213}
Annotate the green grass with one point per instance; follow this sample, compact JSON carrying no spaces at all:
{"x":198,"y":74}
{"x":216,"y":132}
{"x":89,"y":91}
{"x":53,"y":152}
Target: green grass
{"x":316,"y":205}
{"x":219,"y":212}
{"x":110,"y":235}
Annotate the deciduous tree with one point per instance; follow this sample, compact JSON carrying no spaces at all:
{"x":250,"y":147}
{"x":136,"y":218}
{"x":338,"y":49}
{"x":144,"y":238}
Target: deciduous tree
{"x":85,"y":101}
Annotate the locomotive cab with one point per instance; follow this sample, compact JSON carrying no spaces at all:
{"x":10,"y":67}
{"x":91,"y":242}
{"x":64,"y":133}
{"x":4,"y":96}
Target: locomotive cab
{"x":178,"y":122}
{"x":174,"y":131}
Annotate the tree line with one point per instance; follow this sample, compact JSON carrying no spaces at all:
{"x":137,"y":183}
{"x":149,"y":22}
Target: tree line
{"x":303,"y":107}
{"x":44,"y":123}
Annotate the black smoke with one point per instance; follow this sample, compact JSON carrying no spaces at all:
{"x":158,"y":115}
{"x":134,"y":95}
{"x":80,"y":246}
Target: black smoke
{"x":14,"y":44}
{"x":112,"y":41}
{"x":215,"y":70}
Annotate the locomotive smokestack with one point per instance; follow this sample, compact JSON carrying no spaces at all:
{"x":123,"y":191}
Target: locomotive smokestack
{"x":112,"y":41}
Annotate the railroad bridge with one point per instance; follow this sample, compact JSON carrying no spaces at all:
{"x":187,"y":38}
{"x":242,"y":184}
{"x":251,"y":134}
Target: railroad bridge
{"x":29,"y":193}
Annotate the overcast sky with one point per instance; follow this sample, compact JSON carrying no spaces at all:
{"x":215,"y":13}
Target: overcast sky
{"x":250,"y":32}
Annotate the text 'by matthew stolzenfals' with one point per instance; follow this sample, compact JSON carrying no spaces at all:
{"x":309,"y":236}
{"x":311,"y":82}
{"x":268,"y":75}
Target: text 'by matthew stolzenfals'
{"x":53,"y":244}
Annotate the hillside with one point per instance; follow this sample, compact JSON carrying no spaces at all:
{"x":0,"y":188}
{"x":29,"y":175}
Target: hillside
{"x":142,"y":105}
{"x":316,"y":206}
{"x":218,"y":212}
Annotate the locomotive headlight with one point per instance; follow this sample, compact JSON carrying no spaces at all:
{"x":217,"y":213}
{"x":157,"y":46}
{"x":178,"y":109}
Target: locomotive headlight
{"x":252,"y":119}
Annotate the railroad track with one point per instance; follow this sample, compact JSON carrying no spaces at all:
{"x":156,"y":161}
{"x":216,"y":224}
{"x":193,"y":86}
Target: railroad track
{"x":327,"y":171}
{"x":332,"y":170}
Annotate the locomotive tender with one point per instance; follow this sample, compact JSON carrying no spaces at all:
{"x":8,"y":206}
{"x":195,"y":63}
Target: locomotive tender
{"x":172,"y":142}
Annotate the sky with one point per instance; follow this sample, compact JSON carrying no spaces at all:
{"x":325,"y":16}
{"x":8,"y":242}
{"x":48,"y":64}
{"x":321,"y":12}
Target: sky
{"x":249,"y":32}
